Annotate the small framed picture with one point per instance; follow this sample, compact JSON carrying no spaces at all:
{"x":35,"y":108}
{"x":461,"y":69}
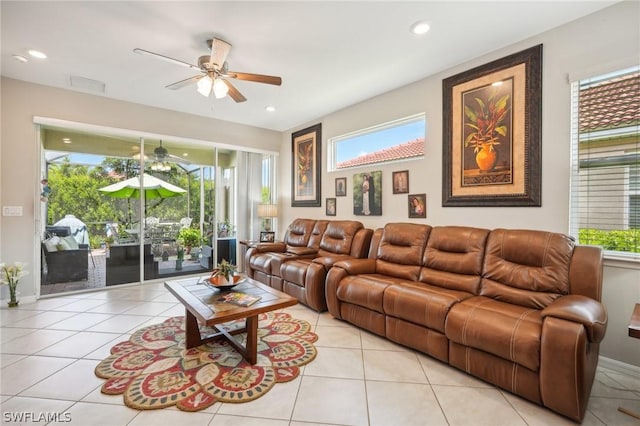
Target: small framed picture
{"x":267,"y":237}
{"x":341,"y":187}
{"x":401,"y":182}
{"x":331,"y":206}
{"x":417,"y":205}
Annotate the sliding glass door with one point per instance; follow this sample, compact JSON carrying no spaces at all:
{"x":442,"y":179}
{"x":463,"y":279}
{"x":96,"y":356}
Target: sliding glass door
{"x":118,"y":210}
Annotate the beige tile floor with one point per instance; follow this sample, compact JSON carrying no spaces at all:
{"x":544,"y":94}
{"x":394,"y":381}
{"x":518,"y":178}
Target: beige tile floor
{"x":50,"y":348}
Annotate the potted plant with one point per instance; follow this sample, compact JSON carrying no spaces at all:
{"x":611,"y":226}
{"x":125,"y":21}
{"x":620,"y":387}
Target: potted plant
{"x":179,"y":258}
{"x":226,"y":269}
{"x":486,"y":121}
{"x":189,"y":237}
{"x":10,"y":275}
{"x":225,"y":229}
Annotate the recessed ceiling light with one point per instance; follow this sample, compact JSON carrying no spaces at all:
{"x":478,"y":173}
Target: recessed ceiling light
{"x":185,"y":154}
{"x":37,"y":54}
{"x":420,"y":27}
{"x":270,"y":108}
{"x":66,"y":140}
{"x":20,"y":58}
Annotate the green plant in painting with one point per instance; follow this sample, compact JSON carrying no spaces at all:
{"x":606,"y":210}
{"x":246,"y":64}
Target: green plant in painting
{"x":485,"y":118}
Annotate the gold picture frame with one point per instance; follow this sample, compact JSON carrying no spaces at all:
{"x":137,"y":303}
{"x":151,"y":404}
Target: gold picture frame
{"x":305,"y":171}
{"x":491,"y":133}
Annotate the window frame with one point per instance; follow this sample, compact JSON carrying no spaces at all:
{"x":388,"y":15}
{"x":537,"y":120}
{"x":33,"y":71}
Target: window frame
{"x":332,"y":143}
{"x":630,"y":259}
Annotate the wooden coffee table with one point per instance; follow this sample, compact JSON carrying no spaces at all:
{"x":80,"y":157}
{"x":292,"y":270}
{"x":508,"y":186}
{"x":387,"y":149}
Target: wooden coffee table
{"x":202,"y":307}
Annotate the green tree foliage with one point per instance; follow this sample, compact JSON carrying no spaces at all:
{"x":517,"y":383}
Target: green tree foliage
{"x":75,"y":190}
{"x":618,"y":240}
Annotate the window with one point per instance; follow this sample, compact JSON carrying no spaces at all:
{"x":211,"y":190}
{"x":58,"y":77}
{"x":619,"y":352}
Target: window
{"x":397,"y":140}
{"x":605,"y":178}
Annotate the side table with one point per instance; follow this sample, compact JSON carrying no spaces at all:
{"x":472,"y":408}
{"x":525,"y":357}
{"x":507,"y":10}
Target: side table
{"x":634,"y":331}
{"x":244,"y":246}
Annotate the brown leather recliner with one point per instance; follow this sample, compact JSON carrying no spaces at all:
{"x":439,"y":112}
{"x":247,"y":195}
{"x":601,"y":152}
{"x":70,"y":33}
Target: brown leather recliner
{"x":304,"y":278}
{"x":518,"y":308}
{"x":301,"y":240}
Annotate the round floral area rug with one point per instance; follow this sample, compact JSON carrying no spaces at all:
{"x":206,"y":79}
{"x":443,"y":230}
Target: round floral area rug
{"x":154,"y":370}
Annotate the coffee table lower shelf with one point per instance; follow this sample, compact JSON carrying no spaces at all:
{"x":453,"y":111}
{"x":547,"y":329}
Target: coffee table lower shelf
{"x":195,"y":338}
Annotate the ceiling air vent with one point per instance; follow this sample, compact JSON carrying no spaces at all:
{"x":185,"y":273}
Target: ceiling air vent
{"x":87,"y":84}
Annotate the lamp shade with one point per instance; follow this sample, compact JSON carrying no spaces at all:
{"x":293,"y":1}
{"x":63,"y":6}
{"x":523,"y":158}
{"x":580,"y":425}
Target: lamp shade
{"x":267,"y":210}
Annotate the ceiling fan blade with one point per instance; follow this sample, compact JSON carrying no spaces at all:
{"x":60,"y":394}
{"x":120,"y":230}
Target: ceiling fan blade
{"x":178,"y":159}
{"x":166,"y":58}
{"x":182,"y":83}
{"x":234,"y":93}
{"x":258,"y":78}
{"x":219,"y":52}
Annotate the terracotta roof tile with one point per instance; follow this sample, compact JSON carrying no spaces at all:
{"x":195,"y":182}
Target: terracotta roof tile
{"x":414,"y":148}
{"x":612,"y":104}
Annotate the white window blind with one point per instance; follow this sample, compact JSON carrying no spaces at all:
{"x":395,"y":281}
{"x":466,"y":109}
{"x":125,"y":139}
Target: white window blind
{"x":605,"y":161}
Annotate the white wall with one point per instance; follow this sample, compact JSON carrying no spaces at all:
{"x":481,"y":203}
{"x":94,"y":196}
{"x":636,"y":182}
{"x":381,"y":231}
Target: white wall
{"x":606,"y":40}
{"x":20,"y":177}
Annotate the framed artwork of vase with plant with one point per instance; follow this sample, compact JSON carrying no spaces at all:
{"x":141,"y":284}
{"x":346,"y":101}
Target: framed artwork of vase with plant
{"x":305,"y":170}
{"x":491,"y":128}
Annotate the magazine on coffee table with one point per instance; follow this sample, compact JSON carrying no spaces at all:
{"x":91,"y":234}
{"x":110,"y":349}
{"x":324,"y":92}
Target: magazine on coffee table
{"x":237,"y":298}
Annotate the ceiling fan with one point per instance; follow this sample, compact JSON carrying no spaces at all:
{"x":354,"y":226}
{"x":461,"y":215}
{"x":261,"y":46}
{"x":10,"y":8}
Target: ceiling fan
{"x":161,"y":159}
{"x":214,"y":71}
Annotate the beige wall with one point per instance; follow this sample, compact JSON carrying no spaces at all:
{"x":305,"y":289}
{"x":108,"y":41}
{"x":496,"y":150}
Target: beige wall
{"x":602,"y":42}
{"x":598,"y":43}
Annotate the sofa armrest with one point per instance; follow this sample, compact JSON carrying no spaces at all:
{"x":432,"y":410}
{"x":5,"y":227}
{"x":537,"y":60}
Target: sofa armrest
{"x":279,"y":247}
{"x":583,"y":310}
{"x":357,"y":266}
{"x":329,"y":261}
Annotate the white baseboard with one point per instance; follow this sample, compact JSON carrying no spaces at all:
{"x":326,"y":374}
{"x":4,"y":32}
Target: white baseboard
{"x":619,"y":366}
{"x":21,"y":300}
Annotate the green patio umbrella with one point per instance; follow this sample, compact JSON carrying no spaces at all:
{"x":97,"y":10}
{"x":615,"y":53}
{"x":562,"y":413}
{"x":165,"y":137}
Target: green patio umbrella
{"x":153,"y":188}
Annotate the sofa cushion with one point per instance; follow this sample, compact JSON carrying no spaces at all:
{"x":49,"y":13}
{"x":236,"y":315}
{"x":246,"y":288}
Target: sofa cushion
{"x":528,"y":268}
{"x":454,"y":257}
{"x":421,"y":304}
{"x":63,"y":245}
{"x":51,"y":244}
{"x":509,"y":331}
{"x":364,"y":290}
{"x":299,"y":232}
{"x":401,"y":249}
{"x":338,"y":237}
{"x":71,"y":242}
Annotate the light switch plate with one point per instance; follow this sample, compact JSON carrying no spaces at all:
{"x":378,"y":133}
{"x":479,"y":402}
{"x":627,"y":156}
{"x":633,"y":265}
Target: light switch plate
{"x":11,"y":210}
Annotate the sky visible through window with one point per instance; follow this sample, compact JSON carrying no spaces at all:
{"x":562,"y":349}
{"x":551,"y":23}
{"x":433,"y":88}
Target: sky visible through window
{"x":356,"y":146}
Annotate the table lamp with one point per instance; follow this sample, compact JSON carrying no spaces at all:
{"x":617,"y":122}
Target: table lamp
{"x":267,"y":211}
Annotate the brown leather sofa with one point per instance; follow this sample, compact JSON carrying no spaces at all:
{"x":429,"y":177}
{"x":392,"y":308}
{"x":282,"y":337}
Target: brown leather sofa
{"x":517,"y":308}
{"x":310,"y":247}
{"x":304,"y":278}
{"x":301,"y":240}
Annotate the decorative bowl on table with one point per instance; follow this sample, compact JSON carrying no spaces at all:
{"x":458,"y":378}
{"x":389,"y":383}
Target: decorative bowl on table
{"x":220,"y":283}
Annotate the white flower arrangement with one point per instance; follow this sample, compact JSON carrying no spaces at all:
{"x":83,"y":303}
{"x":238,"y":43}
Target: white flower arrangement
{"x":10,"y":275}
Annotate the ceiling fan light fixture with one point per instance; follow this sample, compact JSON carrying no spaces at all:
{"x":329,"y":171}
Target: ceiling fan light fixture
{"x":420,"y":28}
{"x":160,"y":166}
{"x":204,"y":85}
{"x":220,"y":89}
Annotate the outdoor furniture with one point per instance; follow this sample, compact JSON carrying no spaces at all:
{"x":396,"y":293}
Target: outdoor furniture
{"x":66,"y":265}
{"x":123,"y":264}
